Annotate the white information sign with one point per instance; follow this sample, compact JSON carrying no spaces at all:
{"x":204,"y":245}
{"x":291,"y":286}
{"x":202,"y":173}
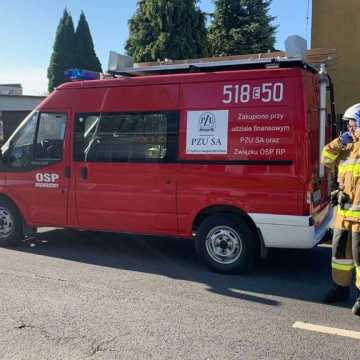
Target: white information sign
{"x":207,"y":132}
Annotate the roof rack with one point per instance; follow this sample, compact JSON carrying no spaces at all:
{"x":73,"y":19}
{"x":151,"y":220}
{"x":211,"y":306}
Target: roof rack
{"x":225,"y":65}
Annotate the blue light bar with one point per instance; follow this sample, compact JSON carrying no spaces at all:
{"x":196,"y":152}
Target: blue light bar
{"x":80,"y":74}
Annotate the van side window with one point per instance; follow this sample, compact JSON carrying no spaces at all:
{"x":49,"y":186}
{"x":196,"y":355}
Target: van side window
{"x":50,"y":136}
{"x":127,"y":137}
{"x":20,"y":147}
{"x":85,"y":132}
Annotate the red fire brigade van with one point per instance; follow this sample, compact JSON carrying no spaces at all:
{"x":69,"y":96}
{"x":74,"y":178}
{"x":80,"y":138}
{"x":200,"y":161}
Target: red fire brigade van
{"x":227,"y":153}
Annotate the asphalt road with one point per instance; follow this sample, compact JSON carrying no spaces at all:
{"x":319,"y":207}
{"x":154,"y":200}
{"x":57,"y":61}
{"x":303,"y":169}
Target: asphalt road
{"x":105,"y":296}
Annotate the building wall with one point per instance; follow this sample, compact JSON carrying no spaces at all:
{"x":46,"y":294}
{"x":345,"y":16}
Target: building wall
{"x":13,"y":109}
{"x":336,"y":25}
{"x":10,"y":89}
{"x":19,"y":103}
{"x":9,"y":120}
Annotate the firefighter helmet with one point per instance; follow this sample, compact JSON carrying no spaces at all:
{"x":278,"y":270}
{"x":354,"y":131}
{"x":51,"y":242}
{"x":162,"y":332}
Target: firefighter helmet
{"x":353,"y":113}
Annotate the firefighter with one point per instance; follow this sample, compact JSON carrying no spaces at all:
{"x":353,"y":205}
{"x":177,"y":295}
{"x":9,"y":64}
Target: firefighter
{"x":344,"y":152}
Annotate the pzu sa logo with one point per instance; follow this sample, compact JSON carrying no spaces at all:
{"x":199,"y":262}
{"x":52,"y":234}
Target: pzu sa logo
{"x":207,"y":122}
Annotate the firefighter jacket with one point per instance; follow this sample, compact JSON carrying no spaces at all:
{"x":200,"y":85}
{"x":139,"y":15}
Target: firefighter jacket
{"x":347,"y":159}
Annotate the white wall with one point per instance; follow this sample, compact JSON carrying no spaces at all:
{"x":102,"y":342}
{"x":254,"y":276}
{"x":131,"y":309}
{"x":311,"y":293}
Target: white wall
{"x":10,"y":90}
{"x":19,"y":103}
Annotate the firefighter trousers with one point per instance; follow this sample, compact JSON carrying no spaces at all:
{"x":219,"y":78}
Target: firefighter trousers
{"x":346,"y":255}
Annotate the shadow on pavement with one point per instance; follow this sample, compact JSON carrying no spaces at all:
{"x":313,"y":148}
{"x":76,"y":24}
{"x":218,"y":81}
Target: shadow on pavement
{"x":296,"y":274}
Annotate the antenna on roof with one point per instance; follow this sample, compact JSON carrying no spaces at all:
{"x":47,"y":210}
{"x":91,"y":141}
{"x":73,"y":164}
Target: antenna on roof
{"x":307,"y":20}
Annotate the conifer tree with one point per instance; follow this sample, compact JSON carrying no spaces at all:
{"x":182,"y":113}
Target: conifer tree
{"x":241,"y":27}
{"x":170,"y":29}
{"x":63,"y":56}
{"x":85,"y":53}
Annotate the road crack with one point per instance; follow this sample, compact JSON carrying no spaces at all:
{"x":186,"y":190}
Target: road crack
{"x":25,"y":326}
{"x":97,"y":347}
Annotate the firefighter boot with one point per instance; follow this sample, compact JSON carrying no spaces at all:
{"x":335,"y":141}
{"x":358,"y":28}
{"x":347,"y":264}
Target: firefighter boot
{"x":356,"y":307}
{"x":337,"y":294}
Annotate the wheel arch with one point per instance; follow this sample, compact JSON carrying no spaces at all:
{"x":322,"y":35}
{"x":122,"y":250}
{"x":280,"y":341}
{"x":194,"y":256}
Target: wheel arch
{"x":227,"y":210}
{"x":9,"y":198}
{"x":15,"y":203}
{"x":19,"y":230}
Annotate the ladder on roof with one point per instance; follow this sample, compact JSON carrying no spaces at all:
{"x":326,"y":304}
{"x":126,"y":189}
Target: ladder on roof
{"x":211,"y":66}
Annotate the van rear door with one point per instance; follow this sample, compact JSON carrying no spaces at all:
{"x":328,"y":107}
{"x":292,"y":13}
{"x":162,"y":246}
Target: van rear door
{"x":317,"y":186}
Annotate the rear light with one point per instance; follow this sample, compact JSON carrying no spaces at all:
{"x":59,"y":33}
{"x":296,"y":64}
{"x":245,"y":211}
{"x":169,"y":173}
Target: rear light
{"x":308,"y":197}
{"x":313,"y":197}
{"x":316,"y":197}
{"x":313,"y":193}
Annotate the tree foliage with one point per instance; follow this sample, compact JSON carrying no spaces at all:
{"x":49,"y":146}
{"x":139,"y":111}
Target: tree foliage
{"x":241,"y":27}
{"x":170,"y":29}
{"x":85,"y":53}
{"x":62,"y":57}
{"x":71,"y":50}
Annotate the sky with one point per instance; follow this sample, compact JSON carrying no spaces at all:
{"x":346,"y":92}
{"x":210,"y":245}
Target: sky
{"x":27,"y":32}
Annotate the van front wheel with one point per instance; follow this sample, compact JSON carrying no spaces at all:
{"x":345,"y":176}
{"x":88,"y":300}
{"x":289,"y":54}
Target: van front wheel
{"x":226,"y":244}
{"x":10,"y":224}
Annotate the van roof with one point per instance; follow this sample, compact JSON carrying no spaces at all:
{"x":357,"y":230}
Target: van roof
{"x":215,"y":64}
{"x":188,"y":73}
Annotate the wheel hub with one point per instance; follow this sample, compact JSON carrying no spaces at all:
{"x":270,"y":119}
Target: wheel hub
{"x":6,"y":223}
{"x":224,"y":244}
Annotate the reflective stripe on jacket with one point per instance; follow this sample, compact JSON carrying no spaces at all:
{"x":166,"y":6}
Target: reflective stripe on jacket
{"x":347,"y":158}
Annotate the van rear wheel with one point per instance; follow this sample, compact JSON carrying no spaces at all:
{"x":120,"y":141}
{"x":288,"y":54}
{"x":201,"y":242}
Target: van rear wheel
{"x":226,"y":244}
{"x":10,"y":224}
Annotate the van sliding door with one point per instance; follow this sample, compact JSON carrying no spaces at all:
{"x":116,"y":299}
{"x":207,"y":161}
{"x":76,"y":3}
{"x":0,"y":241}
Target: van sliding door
{"x":126,"y":172}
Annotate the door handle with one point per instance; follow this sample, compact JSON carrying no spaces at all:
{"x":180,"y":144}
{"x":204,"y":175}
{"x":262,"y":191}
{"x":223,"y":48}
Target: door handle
{"x":84,"y":173}
{"x":67,"y":172}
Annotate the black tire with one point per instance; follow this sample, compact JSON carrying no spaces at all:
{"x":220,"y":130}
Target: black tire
{"x":219,"y":231}
{"x":11,"y":222}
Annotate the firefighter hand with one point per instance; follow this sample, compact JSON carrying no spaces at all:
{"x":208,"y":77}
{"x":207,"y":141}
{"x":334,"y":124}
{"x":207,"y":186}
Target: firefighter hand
{"x":346,"y":138}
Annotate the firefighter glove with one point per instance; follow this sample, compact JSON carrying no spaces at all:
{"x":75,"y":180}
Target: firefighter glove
{"x":343,"y":199}
{"x":346,"y":138}
{"x":334,"y":198}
